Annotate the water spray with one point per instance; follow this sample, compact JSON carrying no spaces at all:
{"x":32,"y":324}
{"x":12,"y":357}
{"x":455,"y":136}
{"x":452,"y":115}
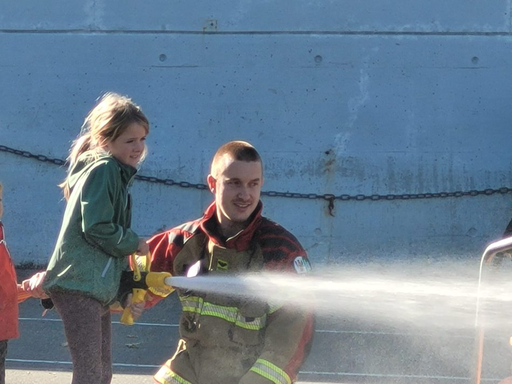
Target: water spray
{"x":420,"y":293}
{"x":434,"y":295}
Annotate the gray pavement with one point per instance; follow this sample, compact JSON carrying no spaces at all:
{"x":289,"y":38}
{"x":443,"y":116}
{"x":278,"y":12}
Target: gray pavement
{"x":344,"y":350}
{"x":18,"y":376}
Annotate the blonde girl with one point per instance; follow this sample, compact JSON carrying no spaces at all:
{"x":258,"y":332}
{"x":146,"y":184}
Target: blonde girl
{"x":95,"y":238}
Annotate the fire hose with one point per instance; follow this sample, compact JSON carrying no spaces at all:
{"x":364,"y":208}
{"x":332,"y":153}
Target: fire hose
{"x":136,"y":282}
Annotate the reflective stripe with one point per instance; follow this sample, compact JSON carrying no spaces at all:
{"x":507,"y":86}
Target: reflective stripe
{"x":274,"y":307}
{"x":106,"y":267}
{"x":271,"y":372}
{"x":191,"y":304}
{"x":166,"y":376}
{"x":255,"y":325}
{"x":226,"y":313}
{"x":197,"y":305}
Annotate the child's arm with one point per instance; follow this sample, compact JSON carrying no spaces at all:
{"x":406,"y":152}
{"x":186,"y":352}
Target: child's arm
{"x":22,"y":295}
{"x":32,"y":287}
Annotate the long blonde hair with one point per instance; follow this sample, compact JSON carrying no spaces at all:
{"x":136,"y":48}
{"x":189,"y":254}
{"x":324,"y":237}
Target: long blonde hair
{"x":106,"y":121}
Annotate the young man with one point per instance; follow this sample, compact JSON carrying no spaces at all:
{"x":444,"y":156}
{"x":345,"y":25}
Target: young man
{"x":229,"y":340}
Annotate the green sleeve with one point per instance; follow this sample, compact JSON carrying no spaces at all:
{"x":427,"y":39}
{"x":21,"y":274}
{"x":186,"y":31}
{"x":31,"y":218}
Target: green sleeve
{"x":102,"y":223}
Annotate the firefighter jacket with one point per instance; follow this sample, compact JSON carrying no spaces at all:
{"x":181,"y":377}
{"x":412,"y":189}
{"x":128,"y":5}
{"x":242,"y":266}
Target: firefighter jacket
{"x":8,"y":293}
{"x":95,"y":236}
{"x":230,"y":340}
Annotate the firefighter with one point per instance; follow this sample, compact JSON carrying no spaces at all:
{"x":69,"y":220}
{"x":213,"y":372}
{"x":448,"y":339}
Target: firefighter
{"x":229,"y":340}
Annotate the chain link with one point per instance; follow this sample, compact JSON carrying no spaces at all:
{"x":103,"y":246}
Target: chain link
{"x":43,"y":158}
{"x":293,"y":195}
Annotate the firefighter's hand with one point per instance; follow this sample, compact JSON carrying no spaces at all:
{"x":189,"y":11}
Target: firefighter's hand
{"x":34,"y":285}
{"x":142,"y":248}
{"x":137,"y":309}
{"x":507,"y":380}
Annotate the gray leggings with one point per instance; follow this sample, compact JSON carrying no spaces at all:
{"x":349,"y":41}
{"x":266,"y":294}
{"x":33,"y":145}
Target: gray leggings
{"x":87,"y":325}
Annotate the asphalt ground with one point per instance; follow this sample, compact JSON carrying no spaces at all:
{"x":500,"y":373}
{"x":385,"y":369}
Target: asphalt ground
{"x":344,"y":350}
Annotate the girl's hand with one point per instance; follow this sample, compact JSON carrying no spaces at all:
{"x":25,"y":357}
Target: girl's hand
{"x":143,"y":248}
{"x":137,"y":309}
{"x":34,"y":286}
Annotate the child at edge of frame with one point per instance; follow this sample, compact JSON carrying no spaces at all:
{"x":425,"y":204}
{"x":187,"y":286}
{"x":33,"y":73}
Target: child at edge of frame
{"x":12,"y":293}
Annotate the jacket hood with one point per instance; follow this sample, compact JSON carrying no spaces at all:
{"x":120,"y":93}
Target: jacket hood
{"x":87,"y":159}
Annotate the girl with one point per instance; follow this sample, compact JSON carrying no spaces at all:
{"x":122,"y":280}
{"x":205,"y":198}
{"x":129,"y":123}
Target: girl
{"x":95,"y":238}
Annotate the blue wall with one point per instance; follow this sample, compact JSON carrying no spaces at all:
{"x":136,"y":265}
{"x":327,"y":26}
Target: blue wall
{"x":340,"y":97}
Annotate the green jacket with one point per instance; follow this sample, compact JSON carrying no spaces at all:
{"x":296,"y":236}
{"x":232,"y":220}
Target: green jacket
{"x":95,"y":236}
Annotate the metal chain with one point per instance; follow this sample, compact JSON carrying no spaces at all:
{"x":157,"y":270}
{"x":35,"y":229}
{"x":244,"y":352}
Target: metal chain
{"x":43,"y":158}
{"x":294,"y":195}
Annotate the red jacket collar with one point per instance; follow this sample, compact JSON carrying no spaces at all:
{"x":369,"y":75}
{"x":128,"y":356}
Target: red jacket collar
{"x":242,"y":240}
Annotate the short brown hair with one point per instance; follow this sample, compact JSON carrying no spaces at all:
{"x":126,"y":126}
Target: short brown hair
{"x":238,"y":150}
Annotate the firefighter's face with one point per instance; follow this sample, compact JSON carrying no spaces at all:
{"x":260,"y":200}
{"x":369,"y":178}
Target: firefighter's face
{"x":237,"y":188}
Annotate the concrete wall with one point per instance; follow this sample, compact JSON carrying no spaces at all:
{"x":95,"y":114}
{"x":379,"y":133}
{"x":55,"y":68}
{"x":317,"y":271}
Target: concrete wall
{"x":340,"y":97}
